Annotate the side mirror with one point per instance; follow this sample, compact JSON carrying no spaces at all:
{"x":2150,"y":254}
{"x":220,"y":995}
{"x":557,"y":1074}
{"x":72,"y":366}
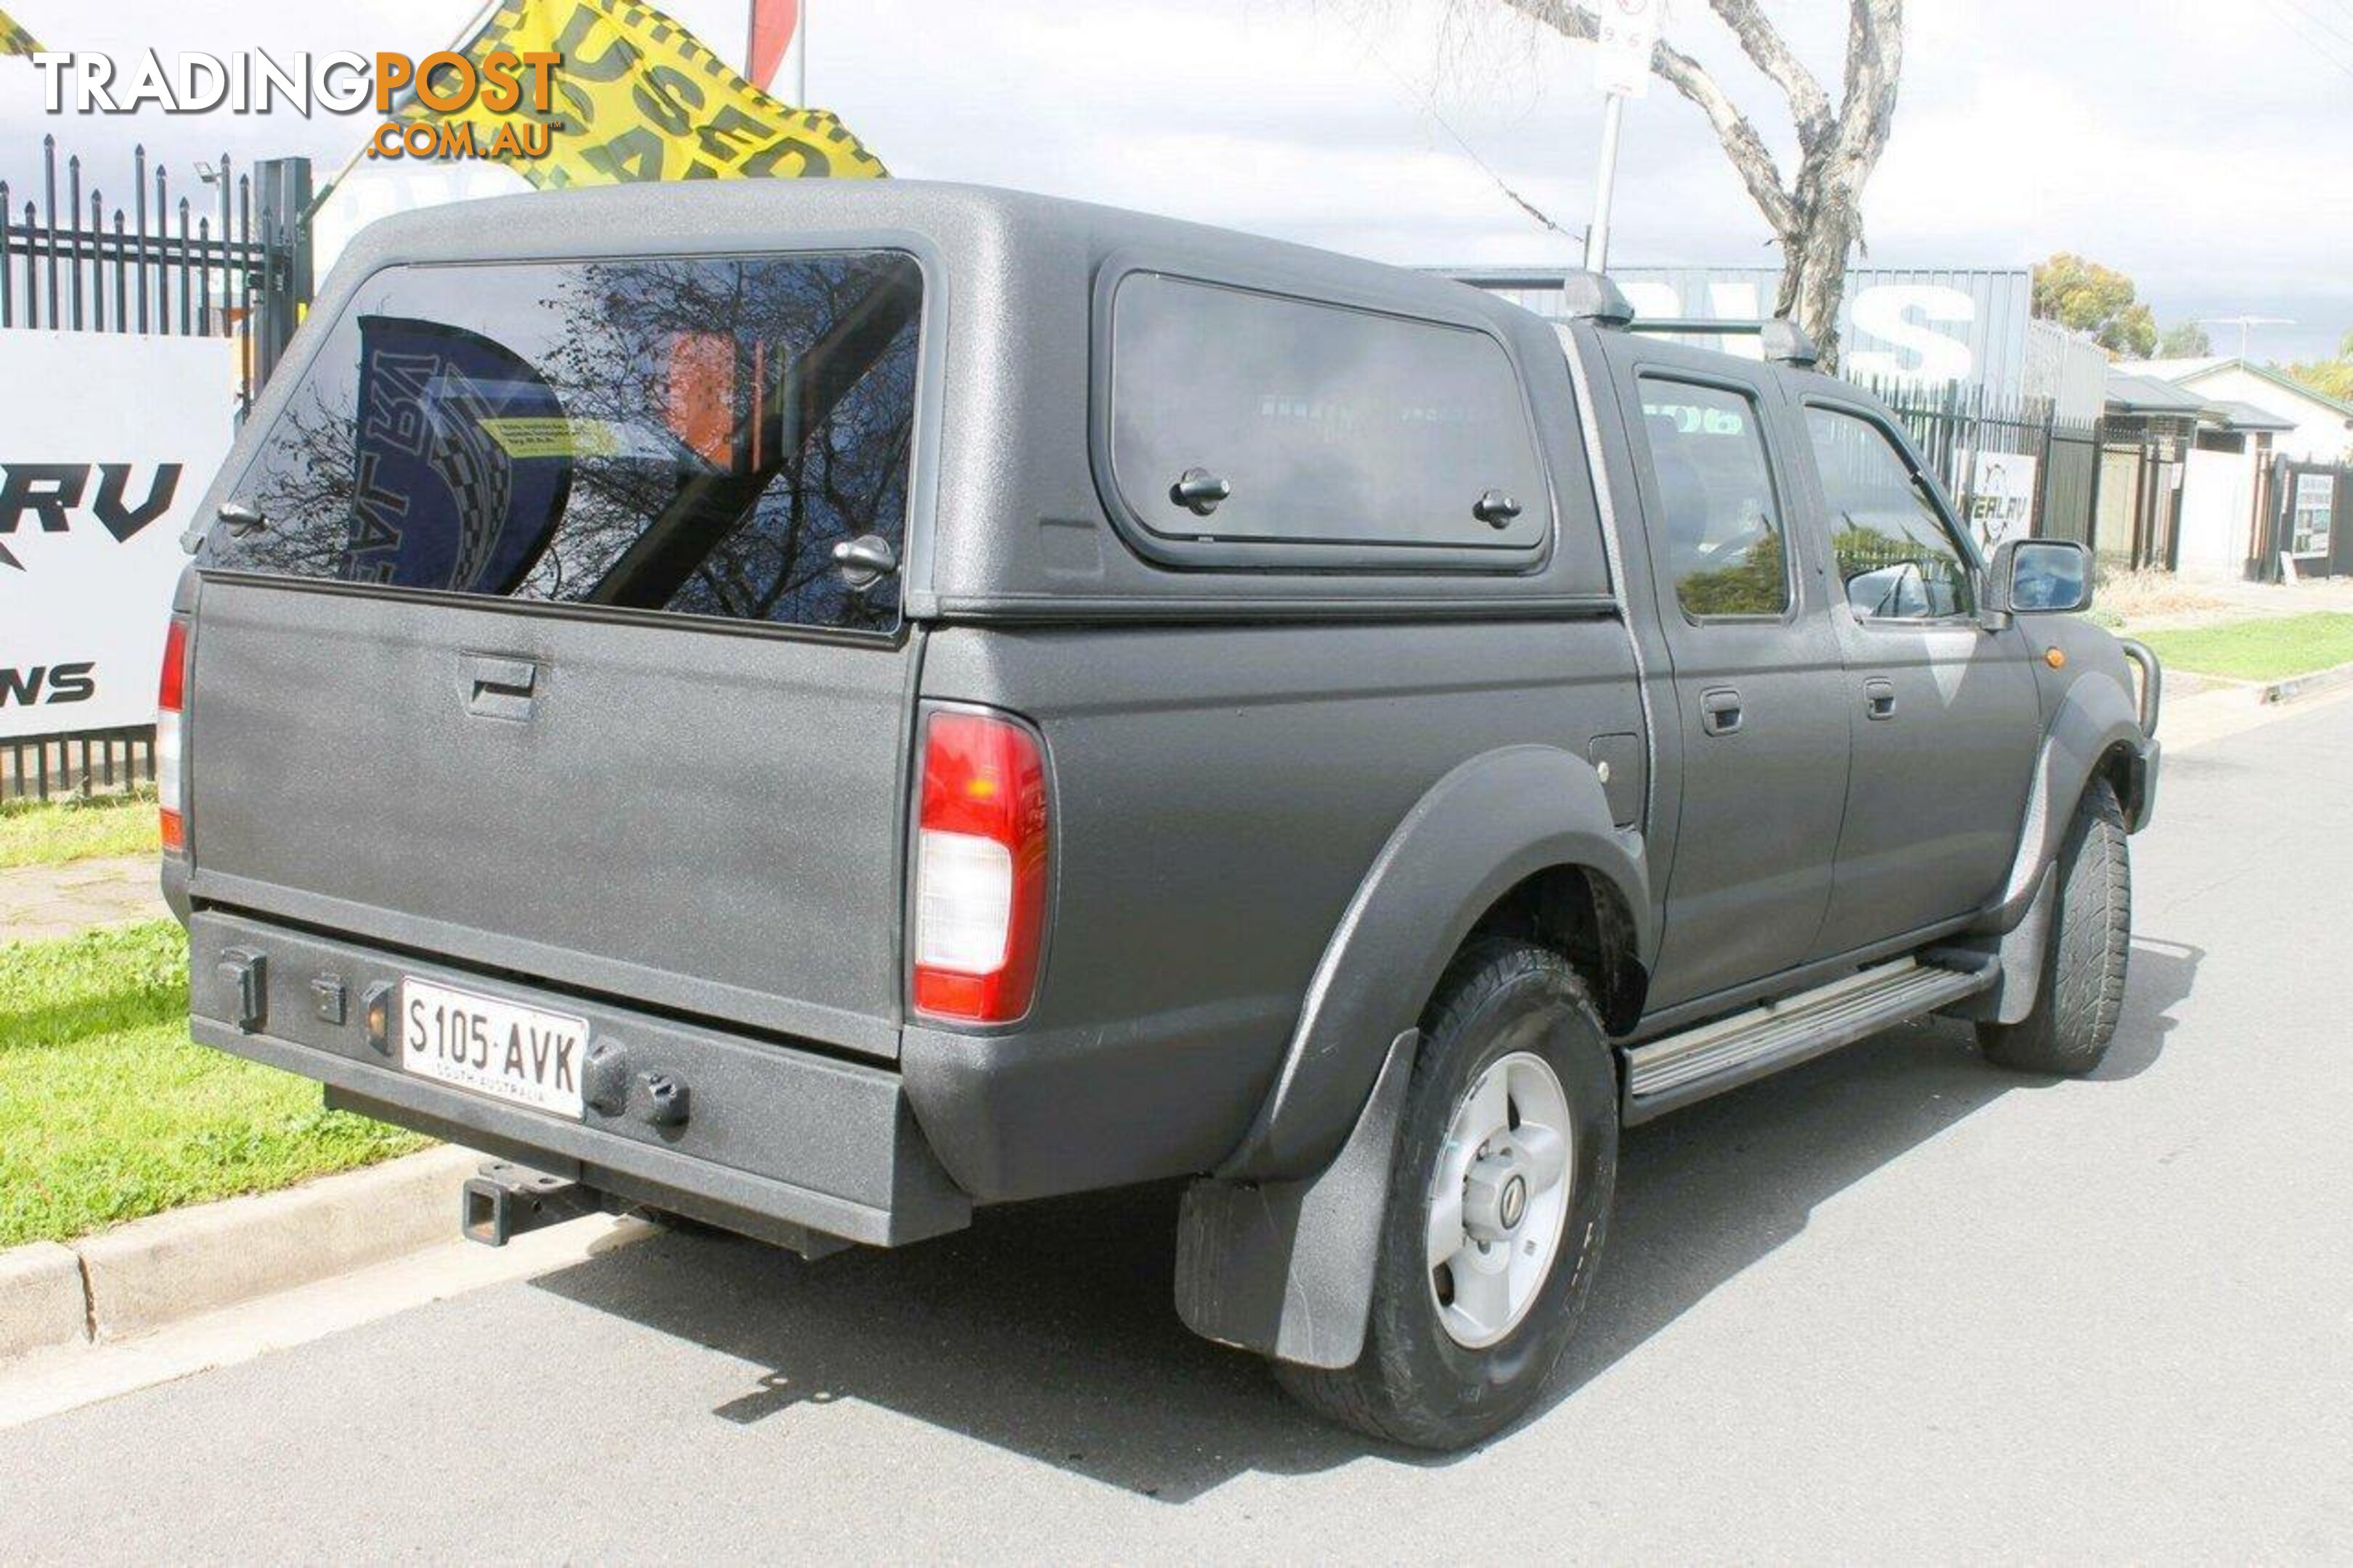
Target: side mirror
{"x":2039,"y":577}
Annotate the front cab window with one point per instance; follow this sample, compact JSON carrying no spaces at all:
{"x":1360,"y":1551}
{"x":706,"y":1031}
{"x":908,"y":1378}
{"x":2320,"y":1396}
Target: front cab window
{"x":1897,"y":557}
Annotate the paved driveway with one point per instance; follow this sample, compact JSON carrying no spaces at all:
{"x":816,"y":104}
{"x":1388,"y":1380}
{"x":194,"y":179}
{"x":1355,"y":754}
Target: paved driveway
{"x":1896,"y":1303}
{"x":38,"y":901}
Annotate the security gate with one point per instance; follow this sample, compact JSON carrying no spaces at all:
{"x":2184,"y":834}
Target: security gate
{"x":239,"y":263}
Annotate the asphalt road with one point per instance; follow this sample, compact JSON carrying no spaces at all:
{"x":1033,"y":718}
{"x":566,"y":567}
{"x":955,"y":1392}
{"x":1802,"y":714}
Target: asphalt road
{"x":1897,"y":1303}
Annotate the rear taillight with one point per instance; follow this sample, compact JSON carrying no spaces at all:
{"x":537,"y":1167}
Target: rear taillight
{"x":981,"y":859}
{"x":171,"y":704}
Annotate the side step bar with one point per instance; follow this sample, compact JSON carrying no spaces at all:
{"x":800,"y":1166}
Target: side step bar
{"x":1677,"y":1070}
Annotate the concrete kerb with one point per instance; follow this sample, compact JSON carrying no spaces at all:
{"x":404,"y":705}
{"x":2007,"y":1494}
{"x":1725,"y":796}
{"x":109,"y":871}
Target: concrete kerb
{"x":2224,"y":712}
{"x":2307,"y":685}
{"x":155,"y":1272}
{"x":42,"y":1302}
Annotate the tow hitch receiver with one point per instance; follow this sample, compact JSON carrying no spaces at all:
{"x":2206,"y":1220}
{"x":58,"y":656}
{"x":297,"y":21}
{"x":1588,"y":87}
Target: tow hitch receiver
{"x":503,"y":1201}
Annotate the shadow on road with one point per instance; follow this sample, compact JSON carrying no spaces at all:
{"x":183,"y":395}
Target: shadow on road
{"x":2160,"y":978}
{"x":1047,"y":1329}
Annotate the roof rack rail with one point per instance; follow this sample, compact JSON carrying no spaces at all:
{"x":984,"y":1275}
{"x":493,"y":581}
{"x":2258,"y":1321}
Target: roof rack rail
{"x":1585,"y":296}
{"x":1592,"y":297}
{"x":1784,"y":342}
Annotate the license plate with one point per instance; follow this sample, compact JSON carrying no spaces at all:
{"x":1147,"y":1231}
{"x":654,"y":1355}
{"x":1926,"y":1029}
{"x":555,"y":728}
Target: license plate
{"x":499,"y":1048}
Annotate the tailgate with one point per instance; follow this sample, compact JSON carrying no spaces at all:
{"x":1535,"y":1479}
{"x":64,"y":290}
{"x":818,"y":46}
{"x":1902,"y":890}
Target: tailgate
{"x":697,"y":819}
{"x":525,"y":644}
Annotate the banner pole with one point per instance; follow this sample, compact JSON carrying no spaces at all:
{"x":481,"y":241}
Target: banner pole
{"x":801,"y":54}
{"x":466,"y":40}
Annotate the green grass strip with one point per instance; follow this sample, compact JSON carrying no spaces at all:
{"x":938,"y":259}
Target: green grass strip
{"x":50,"y":833}
{"x":2270,"y":649}
{"x":108,"y":1111}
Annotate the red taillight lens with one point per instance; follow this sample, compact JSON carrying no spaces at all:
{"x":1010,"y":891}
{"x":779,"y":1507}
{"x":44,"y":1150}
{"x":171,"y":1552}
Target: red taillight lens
{"x":171,"y":704}
{"x":981,"y":861}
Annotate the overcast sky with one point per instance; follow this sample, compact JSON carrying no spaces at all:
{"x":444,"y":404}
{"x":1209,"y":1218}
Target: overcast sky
{"x":2205,"y":148}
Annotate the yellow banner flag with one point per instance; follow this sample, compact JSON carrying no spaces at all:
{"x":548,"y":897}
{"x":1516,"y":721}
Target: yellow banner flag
{"x":13,"y":39}
{"x":638,"y":97}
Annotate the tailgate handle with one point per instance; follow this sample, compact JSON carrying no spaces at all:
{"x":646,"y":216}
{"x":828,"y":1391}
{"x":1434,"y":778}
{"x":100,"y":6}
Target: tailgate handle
{"x":499,"y":687}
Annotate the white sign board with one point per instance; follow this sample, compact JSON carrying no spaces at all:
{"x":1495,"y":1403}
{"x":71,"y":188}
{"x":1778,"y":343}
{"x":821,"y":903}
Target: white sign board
{"x":2000,"y":500}
{"x":106,"y":443}
{"x":1626,"y":32}
{"x":2313,"y":508}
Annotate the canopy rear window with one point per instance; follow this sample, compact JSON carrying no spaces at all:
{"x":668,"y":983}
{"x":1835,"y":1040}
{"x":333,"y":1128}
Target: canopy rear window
{"x":1362,"y":436}
{"x":686,"y":435}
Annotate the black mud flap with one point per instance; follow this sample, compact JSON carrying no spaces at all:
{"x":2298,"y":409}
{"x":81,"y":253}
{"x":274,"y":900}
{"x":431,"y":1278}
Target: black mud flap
{"x":1285,"y":1269}
{"x":2017,"y":956}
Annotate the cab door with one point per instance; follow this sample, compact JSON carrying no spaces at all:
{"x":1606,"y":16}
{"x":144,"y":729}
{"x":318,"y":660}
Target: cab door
{"x":1757,"y":679}
{"x":1943,"y":711}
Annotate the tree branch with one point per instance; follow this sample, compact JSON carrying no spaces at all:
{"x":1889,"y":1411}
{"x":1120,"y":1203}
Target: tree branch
{"x":1751,"y":159}
{"x":1874,"y":66}
{"x":1809,"y":106}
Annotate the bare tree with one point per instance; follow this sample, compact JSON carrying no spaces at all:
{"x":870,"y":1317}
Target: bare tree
{"x":1817,"y":217}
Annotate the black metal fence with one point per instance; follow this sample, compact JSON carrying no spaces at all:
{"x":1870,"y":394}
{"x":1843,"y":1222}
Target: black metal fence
{"x":101,"y":762}
{"x":233,"y":259}
{"x":1963,"y":432}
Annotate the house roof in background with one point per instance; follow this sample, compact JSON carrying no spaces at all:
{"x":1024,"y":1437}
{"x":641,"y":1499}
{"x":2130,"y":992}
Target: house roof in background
{"x":2246,"y":417}
{"x":2130,"y":393}
{"x":2189,"y":372}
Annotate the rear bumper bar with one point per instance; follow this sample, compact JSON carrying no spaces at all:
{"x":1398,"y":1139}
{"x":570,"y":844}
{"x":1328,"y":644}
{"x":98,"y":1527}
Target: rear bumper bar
{"x":774,"y":1142}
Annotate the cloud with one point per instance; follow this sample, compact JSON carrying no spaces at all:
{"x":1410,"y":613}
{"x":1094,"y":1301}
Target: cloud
{"x":2198,"y":147}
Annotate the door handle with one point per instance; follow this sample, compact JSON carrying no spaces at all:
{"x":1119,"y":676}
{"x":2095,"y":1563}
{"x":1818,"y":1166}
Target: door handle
{"x":499,"y":688}
{"x":1879,"y":698}
{"x":1200,"y":491}
{"x":1719,"y":711}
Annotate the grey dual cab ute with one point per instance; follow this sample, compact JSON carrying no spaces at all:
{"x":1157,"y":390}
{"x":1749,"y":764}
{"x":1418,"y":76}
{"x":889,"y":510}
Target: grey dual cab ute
{"x":817,"y":707}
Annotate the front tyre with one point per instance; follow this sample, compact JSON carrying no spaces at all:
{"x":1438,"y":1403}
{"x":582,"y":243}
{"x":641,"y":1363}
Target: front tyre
{"x":2090,"y":942}
{"x":1499,"y":1198}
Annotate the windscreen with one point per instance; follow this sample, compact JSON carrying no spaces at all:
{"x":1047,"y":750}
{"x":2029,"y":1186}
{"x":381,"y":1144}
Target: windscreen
{"x":685,"y":435}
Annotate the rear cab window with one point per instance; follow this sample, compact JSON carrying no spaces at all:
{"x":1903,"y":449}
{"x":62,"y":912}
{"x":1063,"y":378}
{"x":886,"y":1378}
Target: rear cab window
{"x":690,"y":436}
{"x":1254,"y":429}
{"x":1719,"y":535}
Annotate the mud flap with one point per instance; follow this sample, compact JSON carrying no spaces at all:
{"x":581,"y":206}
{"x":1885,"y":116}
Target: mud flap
{"x":2018,"y":955}
{"x":1285,"y":1269}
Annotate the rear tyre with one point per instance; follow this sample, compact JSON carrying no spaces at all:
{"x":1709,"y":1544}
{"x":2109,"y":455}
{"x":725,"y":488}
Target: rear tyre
{"x":1499,"y":1199}
{"x":2082,"y":989}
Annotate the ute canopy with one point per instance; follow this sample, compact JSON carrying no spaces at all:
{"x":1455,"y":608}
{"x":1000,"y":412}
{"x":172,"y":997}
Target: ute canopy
{"x":1004,"y":386}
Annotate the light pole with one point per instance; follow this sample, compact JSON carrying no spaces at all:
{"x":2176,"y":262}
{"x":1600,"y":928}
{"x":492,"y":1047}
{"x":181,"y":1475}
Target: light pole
{"x":1605,"y":184}
{"x":1625,"y":35}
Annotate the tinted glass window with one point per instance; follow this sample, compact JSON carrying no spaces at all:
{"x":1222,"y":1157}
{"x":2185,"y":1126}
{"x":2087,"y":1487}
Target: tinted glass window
{"x":1328,"y":426}
{"x":691,"y":436}
{"x":1896,"y":557}
{"x":1718,"y":539}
